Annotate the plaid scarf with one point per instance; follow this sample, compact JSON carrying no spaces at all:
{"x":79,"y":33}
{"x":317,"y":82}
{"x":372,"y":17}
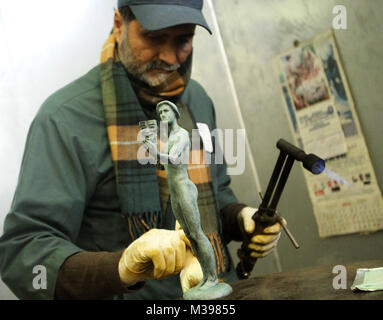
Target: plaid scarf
{"x":143,"y":190}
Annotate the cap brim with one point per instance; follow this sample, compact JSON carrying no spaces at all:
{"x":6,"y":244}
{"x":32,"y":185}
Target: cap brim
{"x":156,"y":17}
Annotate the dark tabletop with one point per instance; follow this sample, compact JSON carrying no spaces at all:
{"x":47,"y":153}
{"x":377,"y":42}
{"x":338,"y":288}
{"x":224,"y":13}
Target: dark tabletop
{"x":314,"y":283}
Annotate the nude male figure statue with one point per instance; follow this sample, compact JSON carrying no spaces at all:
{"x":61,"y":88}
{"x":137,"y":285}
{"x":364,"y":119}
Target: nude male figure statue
{"x":174,"y":156}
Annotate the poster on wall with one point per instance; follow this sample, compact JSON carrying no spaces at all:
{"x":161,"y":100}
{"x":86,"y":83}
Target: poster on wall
{"x":318,"y":103}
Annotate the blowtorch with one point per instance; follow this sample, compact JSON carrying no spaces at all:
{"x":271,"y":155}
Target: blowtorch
{"x":266,"y":214}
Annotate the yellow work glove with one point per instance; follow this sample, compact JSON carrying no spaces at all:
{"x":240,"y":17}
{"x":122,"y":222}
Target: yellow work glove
{"x":191,"y":274}
{"x":157,"y":254}
{"x":261,"y":244}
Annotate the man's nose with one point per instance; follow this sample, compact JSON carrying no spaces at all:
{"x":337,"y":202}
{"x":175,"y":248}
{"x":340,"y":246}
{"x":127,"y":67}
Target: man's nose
{"x":168,"y":54}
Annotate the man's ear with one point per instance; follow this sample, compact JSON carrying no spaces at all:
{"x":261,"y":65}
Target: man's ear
{"x":118,"y":25}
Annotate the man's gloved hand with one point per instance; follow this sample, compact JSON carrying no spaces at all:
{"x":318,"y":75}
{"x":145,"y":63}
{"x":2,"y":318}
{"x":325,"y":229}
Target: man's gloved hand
{"x":157,"y":254}
{"x":191,"y":274}
{"x":261,"y":244}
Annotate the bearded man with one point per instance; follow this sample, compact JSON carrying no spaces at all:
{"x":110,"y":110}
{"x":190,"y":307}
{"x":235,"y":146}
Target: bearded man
{"x":86,"y":211}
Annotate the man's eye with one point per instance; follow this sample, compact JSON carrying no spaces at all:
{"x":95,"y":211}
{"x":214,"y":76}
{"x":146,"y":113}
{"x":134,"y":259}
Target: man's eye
{"x":183,"y":40}
{"x":154,"y":38}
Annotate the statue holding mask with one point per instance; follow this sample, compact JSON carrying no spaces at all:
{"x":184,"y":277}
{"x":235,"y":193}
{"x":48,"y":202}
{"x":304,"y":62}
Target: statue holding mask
{"x":174,"y":156}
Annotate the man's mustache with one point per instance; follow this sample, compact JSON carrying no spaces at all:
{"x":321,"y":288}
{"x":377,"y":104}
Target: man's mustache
{"x":162,"y":66}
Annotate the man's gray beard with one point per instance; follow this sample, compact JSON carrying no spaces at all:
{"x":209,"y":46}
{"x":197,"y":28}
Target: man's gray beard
{"x":140,"y":70}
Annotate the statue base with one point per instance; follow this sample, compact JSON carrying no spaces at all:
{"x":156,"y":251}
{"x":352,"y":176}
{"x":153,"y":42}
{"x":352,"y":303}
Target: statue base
{"x":208,"y":291}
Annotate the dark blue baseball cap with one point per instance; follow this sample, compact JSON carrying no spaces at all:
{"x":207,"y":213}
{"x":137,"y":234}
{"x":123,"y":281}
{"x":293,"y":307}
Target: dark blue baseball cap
{"x":160,"y":14}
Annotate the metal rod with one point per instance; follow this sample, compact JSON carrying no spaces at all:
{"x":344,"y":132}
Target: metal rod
{"x":292,"y":239}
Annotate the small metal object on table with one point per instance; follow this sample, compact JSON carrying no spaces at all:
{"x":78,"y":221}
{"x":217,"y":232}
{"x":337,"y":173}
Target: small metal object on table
{"x":315,"y":283}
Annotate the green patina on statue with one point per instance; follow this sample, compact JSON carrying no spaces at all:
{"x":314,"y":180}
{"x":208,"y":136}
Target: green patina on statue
{"x":174,"y":156}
